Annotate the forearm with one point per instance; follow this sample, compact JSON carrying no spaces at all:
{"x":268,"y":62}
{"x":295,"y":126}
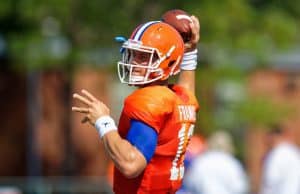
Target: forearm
{"x":126,"y":157}
{"x":187,"y":74}
{"x":189,"y":62}
{"x":186,"y":79}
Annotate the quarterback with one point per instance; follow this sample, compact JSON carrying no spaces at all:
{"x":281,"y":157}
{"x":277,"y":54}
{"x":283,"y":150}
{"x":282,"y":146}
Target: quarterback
{"x":148,"y":145}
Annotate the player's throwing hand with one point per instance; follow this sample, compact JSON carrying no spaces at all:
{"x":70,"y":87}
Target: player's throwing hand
{"x":195,"y":35}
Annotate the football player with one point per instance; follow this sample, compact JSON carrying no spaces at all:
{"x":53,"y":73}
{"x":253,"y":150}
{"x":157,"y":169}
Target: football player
{"x":157,"y":119}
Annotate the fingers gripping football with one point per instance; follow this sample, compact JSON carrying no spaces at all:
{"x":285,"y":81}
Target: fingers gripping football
{"x":93,"y":108}
{"x":195,"y":34}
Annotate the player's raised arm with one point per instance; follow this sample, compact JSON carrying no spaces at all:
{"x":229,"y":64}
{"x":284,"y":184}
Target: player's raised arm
{"x":189,"y":29}
{"x":126,"y":157}
{"x":189,"y":63}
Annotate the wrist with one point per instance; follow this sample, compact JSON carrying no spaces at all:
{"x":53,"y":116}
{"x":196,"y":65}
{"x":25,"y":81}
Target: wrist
{"x":190,"y":47}
{"x":189,"y":60}
{"x":104,"y":125}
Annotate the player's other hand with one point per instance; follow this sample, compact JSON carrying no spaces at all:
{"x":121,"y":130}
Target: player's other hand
{"x":92,"y":109}
{"x":195,"y":27}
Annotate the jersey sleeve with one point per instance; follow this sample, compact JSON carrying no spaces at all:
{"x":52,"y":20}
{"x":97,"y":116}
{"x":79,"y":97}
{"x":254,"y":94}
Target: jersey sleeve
{"x":143,"y":137}
{"x":150,"y":105}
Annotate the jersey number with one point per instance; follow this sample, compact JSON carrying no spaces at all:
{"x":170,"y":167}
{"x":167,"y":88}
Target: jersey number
{"x":184,"y":134}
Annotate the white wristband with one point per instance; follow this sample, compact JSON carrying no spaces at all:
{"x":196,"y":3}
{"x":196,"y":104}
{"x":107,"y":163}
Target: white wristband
{"x":189,"y":60}
{"x":104,"y":125}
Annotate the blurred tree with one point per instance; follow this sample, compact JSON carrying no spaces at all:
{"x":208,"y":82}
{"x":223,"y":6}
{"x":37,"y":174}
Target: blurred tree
{"x":255,"y":26}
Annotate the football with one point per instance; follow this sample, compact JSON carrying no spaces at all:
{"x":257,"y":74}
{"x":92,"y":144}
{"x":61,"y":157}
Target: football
{"x":180,"y":20}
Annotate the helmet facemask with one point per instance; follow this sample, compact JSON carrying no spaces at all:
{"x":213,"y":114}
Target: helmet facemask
{"x":140,"y":64}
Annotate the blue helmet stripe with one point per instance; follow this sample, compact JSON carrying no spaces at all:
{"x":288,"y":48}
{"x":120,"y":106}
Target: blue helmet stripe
{"x":138,"y":35}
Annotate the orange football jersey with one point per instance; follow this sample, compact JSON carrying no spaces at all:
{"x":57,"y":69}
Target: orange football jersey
{"x":171,"y":111}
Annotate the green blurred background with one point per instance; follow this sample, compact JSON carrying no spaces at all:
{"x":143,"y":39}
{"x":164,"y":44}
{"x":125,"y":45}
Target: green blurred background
{"x":247,"y":79}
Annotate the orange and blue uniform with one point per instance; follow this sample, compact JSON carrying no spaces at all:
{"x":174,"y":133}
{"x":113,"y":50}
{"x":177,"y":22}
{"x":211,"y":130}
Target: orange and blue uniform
{"x":171,"y":112}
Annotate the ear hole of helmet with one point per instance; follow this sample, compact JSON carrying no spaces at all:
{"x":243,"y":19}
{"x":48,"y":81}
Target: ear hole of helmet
{"x":171,"y":63}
